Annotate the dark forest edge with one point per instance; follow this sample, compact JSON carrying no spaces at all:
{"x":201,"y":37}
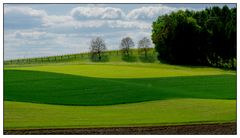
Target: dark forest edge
{"x":206,"y":37}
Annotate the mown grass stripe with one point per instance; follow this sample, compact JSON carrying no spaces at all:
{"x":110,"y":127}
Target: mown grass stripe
{"x":54,"y":88}
{"x":127,"y":70}
{"x":164,"y":112}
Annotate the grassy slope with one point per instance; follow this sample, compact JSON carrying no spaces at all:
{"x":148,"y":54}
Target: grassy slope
{"x":113,"y":85}
{"x":113,"y":56}
{"x":54,"y":88}
{"x":181,"y":111}
{"x":125,"y":70}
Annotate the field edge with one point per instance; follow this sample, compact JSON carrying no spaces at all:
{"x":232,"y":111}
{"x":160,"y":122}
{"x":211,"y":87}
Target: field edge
{"x":213,"y":128}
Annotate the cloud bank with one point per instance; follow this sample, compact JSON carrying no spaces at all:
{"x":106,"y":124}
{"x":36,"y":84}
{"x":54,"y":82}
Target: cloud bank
{"x":33,"y":31}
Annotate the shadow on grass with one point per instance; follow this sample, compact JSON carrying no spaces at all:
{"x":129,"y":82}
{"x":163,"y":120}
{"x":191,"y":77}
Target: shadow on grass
{"x":63,"y":89}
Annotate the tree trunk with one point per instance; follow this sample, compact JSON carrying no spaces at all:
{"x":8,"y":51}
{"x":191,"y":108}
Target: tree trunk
{"x":99,"y":56}
{"x":145,"y":50}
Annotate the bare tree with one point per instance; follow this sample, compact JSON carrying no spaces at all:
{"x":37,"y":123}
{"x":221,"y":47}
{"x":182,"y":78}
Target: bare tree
{"x":144,"y":46}
{"x":125,"y":46}
{"x":97,"y":48}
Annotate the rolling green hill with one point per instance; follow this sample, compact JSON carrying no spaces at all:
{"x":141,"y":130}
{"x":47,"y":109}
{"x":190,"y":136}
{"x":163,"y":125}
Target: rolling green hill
{"x":53,"y":88}
{"x":115,"y":93}
{"x":110,"y":56}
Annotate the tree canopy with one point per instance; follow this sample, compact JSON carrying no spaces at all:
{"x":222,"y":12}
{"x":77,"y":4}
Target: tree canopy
{"x":144,"y":46}
{"x":206,"y":37}
{"x":97,"y":47}
{"x":126,"y":45}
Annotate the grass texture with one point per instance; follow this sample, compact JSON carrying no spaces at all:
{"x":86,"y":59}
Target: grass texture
{"x":116,"y":94}
{"x":126,"y":70}
{"x":55,"y":88}
{"x":164,"y":112}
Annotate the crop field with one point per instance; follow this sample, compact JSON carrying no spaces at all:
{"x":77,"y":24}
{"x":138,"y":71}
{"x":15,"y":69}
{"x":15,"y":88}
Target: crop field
{"x":116,"y":94}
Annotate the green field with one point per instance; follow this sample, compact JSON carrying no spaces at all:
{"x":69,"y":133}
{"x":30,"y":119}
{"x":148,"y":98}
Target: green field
{"x":163,"y":112}
{"x":125,"y":70}
{"x":116,"y":94}
{"x":53,"y":88}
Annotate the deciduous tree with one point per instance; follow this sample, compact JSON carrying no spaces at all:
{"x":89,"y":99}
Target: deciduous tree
{"x":97,"y":48}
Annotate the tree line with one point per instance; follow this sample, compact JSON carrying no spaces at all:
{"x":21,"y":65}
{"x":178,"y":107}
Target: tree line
{"x":206,"y":37}
{"x":98,"y":52}
{"x":98,"y":48}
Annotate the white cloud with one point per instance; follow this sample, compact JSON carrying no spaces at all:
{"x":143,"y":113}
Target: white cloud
{"x":129,"y":24}
{"x":150,"y":12}
{"x":95,"y":17}
{"x":97,"y":13}
{"x":22,"y":17}
{"x":25,"y":11}
{"x":48,"y":34}
{"x":29,"y":34}
{"x":51,"y":20}
{"x":73,"y":25}
{"x":27,"y":43}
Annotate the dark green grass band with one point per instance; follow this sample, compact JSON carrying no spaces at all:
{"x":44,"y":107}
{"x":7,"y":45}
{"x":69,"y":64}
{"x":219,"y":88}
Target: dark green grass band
{"x":62,"y":89}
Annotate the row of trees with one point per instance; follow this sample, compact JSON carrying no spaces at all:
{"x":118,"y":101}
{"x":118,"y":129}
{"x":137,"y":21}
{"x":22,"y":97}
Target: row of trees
{"x":206,"y":37}
{"x":98,"y":52}
{"x":98,"y":48}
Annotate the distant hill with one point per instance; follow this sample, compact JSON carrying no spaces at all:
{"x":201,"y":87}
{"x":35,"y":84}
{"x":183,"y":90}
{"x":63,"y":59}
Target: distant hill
{"x":111,"y":56}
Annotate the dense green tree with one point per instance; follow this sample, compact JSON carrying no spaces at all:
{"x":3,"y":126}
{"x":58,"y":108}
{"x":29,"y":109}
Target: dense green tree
{"x":206,"y":37}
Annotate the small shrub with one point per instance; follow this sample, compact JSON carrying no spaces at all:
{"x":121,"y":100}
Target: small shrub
{"x":129,"y":58}
{"x":148,"y":59}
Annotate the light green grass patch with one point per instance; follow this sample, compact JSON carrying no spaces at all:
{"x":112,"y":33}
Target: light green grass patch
{"x":137,"y":70}
{"x":175,"y":111}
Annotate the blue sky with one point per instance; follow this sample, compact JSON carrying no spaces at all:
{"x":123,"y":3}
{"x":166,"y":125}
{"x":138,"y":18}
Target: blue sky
{"x":34,"y":30}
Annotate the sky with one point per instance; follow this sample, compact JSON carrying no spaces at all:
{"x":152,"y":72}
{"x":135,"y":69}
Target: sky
{"x":36,"y":30}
